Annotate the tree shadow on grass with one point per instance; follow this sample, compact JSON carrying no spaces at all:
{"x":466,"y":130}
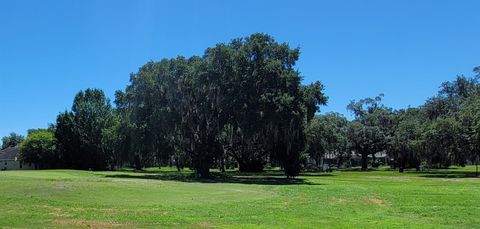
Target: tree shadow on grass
{"x":317,"y":174}
{"x":153,"y":171}
{"x":266,"y":179}
{"x":448,"y":174}
{"x":358,"y":169}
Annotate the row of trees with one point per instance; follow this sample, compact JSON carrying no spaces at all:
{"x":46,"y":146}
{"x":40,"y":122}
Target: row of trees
{"x":241,"y":102}
{"x":242,"y":105}
{"x":442,"y":132}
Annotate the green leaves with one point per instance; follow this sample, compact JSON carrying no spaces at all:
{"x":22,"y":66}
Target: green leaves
{"x":39,"y":148}
{"x":81,"y":132}
{"x":12,"y":140}
{"x":243,"y":99}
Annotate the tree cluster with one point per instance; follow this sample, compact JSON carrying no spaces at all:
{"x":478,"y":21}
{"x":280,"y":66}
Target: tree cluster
{"x":241,"y":103}
{"x":444,"y":131}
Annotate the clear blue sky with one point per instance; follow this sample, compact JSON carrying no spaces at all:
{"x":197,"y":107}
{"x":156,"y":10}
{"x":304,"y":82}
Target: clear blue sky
{"x":49,"y":50}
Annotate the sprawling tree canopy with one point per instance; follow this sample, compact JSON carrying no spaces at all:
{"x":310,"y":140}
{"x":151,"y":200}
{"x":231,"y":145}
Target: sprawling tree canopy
{"x":243,"y":99}
{"x":369,"y":132}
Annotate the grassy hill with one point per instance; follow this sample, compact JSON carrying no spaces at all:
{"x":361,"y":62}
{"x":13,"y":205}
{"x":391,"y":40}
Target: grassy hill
{"x":165,"y":198}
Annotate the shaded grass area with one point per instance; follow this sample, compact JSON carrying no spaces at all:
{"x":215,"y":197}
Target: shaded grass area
{"x":269,"y":177}
{"x":165,"y":198}
{"x":452,"y":172}
{"x":220,"y":179}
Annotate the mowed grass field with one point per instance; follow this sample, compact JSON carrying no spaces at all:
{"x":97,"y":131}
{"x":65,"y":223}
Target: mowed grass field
{"x":168,"y":199}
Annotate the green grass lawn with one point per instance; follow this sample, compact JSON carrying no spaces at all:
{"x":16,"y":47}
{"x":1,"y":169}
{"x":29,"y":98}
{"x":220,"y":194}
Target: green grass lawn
{"x":164,"y":198}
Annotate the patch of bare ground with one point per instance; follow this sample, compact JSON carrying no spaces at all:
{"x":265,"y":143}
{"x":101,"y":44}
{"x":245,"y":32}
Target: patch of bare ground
{"x":78,"y":223}
{"x":203,"y":225}
{"x":58,"y":212}
{"x":336,"y":200}
{"x":374,"y":201}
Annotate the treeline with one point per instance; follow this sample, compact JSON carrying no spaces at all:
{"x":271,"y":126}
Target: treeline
{"x":242,"y":105}
{"x":442,"y":132}
{"x":240,"y":102}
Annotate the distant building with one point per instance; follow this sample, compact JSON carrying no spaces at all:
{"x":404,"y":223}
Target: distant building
{"x":9,"y":160}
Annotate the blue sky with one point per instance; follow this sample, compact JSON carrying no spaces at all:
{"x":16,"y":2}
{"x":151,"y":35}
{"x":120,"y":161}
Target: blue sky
{"x":49,"y":50}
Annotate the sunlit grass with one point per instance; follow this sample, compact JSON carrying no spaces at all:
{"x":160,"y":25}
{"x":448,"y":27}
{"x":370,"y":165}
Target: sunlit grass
{"x":165,"y":198}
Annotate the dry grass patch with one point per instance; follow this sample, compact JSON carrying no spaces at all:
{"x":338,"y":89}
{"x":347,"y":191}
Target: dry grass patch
{"x":78,"y":223}
{"x":203,"y":225}
{"x":374,"y":201}
{"x":58,"y":212}
{"x":339,"y":200}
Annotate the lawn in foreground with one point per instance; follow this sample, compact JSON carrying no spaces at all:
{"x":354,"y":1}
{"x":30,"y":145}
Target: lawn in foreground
{"x":164,"y":198}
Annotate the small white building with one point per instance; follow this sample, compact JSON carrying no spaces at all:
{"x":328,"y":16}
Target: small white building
{"x":9,"y":160}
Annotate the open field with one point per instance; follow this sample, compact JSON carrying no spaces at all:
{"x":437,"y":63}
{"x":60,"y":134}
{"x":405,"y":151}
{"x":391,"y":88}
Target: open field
{"x":165,"y":198}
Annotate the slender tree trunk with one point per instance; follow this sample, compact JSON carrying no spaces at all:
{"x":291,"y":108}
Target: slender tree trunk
{"x":222,"y":164}
{"x":137,"y":162}
{"x":476,"y":167}
{"x":364,"y":161}
{"x":402,"y":164}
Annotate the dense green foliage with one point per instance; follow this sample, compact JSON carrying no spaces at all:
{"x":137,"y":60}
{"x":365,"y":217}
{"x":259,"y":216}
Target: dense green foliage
{"x":39,"y":148}
{"x":12,"y":140}
{"x":83,"y":134}
{"x":166,"y":199}
{"x":442,"y":132}
{"x":327,"y":134}
{"x":243,"y":105}
{"x":242,"y":100}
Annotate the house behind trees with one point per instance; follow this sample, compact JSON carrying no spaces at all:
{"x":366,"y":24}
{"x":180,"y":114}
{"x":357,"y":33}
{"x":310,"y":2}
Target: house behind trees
{"x":9,"y":160}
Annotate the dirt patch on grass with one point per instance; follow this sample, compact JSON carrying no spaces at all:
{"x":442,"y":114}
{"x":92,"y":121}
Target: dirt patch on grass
{"x":203,"y":225}
{"x":374,"y":201}
{"x":103,"y":210}
{"x":78,"y":223}
{"x":339,"y":200}
{"x":303,"y":200}
{"x":58,"y":212}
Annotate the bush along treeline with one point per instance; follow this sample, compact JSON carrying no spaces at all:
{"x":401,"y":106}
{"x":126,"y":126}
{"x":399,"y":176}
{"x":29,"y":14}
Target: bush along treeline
{"x":242,"y":105}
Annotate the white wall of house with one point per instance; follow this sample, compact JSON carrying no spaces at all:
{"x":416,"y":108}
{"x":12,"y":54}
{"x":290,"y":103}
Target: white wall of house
{"x":14,"y":165}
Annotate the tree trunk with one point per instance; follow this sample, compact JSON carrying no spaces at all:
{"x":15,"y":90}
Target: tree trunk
{"x":364,"y":161}
{"x":476,"y":167}
{"x":402,"y":165}
{"x":137,"y":162}
{"x":202,"y":171}
{"x":222,"y":165}
{"x":250,"y":166}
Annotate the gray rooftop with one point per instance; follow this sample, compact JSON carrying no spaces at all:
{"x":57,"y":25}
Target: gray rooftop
{"x":9,"y":153}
